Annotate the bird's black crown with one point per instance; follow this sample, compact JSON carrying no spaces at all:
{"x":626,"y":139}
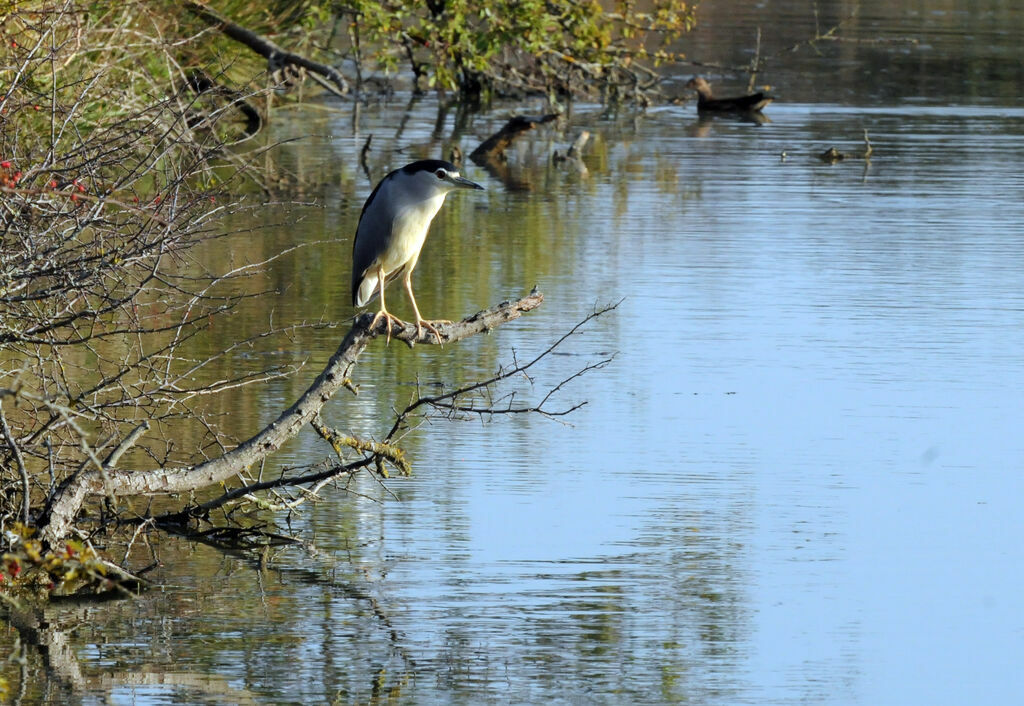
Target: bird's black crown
{"x":429,"y":165}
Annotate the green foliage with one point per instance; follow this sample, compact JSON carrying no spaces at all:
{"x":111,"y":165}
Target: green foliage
{"x":27,"y":568}
{"x":553,"y":46}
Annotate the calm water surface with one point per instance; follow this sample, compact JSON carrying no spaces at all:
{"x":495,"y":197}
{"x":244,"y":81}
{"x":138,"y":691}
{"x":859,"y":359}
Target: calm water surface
{"x":798,"y":479}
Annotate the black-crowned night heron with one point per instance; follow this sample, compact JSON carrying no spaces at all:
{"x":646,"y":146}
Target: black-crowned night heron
{"x":392,"y":229}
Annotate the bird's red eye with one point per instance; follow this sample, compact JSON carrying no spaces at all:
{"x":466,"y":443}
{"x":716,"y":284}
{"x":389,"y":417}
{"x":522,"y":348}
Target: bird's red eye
{"x":440,"y":174}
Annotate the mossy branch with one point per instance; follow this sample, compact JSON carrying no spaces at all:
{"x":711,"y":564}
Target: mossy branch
{"x":379,"y":451}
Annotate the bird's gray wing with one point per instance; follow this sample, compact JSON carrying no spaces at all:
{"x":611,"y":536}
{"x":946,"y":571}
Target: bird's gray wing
{"x":373,"y":235}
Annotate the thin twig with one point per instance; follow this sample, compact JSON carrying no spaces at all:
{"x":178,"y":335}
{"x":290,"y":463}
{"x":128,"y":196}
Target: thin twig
{"x":26,"y":502}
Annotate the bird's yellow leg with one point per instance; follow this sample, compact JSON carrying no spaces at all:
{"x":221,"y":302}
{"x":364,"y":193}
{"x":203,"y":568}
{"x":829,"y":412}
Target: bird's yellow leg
{"x":420,"y":321}
{"x":384,"y":313}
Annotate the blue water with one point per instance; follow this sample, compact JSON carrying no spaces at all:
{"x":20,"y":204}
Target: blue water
{"x":796,"y":479}
{"x":813,"y":416}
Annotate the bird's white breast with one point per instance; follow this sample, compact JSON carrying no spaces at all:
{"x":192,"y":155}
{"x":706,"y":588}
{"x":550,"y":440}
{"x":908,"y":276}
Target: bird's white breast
{"x":409,"y":230}
{"x":412,"y":209}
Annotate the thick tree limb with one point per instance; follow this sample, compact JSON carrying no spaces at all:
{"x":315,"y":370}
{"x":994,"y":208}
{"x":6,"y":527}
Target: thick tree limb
{"x":494,"y":146}
{"x":277,"y":58}
{"x":57,"y":520}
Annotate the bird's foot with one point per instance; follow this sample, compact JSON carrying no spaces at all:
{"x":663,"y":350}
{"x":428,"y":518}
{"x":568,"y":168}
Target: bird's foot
{"x":430,"y":327}
{"x":389,"y":318}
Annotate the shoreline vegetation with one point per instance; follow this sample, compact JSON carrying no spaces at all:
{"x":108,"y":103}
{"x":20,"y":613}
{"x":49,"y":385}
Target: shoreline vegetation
{"x":119,"y":127}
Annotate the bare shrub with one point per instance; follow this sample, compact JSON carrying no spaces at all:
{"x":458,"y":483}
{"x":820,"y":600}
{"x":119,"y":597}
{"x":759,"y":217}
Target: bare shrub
{"x":107,"y":184}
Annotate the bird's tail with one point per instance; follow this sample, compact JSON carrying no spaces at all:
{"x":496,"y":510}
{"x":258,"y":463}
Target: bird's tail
{"x":367,"y":290}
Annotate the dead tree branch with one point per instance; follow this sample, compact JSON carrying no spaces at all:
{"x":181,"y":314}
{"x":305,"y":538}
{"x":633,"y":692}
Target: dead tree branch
{"x":284,"y":481}
{"x":452,"y":403}
{"x":26,"y":501}
{"x":574,"y":155}
{"x":494,"y":146}
{"x":277,"y":58}
{"x":474,"y":399}
{"x":67,"y":501}
{"x":490,"y":154}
